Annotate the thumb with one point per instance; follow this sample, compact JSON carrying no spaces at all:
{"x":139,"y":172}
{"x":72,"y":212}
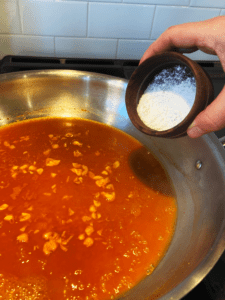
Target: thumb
{"x":210,"y":119}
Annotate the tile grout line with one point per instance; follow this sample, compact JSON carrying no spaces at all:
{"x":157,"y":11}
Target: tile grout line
{"x":69,"y":37}
{"x":87,"y":20}
{"x":153,"y":19}
{"x":136,"y":3}
{"x":117,"y":46}
{"x":54,"y":46}
{"x":20,"y":15}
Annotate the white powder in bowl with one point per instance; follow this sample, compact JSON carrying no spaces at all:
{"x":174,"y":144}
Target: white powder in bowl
{"x":168,"y":99}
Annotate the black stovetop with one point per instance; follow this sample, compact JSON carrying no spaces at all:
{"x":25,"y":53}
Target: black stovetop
{"x":212,"y":286}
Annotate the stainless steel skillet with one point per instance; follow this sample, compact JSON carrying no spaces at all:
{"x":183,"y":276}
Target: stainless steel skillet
{"x":196,"y":168}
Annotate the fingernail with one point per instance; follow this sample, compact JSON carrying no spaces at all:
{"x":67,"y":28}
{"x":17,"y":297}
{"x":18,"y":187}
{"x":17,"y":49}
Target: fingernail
{"x":192,"y":125}
{"x":194,"y":132}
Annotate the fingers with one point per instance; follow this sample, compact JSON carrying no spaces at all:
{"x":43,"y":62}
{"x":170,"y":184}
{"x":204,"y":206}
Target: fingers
{"x":211,"y":119}
{"x":192,"y":36}
{"x":207,"y":36}
{"x":207,"y":50}
{"x":173,"y":38}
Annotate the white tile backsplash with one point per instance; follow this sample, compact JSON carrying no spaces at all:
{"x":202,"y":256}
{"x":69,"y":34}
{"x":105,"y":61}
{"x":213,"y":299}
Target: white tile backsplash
{"x":159,"y":2}
{"x":109,"y":20}
{"x":9,"y":17}
{"x":208,"y":3}
{"x":172,"y":15}
{"x":131,"y":49}
{"x":121,"y":29}
{"x":26,"y":45}
{"x":83,"y":48}
{"x":54,"y":18}
{"x":199,"y":55}
{"x":112,"y":1}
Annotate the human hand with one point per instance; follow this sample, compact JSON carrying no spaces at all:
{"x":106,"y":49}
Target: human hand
{"x":209,"y":37}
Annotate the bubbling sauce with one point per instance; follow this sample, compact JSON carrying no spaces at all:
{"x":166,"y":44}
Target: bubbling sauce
{"x":86,"y":211}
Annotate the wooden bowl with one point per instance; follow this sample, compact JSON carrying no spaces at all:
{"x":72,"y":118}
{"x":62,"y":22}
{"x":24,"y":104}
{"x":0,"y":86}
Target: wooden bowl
{"x":145,"y":73}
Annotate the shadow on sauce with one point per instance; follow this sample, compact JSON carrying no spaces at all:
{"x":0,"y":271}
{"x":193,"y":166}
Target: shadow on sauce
{"x":150,"y":172}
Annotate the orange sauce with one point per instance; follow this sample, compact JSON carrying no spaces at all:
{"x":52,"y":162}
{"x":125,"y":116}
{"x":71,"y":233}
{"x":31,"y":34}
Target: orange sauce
{"x":86,"y":211}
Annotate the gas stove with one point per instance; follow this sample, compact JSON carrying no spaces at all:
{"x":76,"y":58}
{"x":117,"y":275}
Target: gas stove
{"x":212,"y":286}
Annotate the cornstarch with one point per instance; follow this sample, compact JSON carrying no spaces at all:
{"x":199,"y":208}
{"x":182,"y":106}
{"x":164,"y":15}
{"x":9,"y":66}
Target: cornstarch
{"x":168,"y":99}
